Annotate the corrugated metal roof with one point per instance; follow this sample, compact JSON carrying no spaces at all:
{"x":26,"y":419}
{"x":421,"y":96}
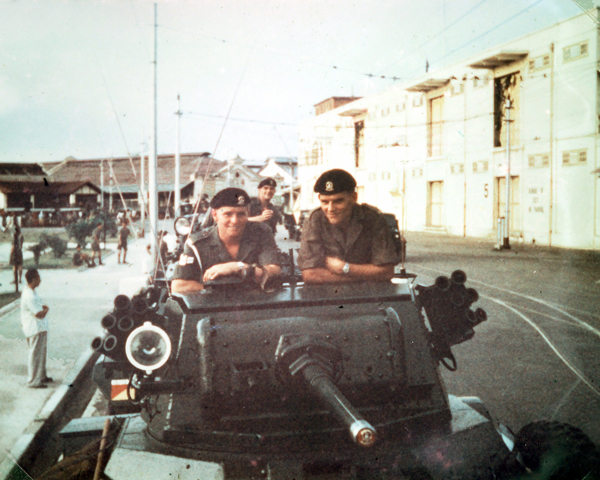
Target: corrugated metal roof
{"x":90,"y":170}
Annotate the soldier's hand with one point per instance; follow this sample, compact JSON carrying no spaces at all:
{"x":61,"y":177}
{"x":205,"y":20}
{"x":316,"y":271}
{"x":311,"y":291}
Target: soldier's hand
{"x":221,"y":270}
{"x":266,"y":214}
{"x":334,"y":265}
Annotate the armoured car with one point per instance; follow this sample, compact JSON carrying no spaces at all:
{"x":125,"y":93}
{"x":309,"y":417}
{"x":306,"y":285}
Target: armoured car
{"x":296,"y":381}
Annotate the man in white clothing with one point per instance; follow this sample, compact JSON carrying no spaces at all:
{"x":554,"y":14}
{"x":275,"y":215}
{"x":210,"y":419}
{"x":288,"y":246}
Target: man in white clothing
{"x":35,"y":328}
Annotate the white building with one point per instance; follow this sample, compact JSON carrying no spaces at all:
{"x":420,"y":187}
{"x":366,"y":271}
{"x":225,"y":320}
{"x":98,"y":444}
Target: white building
{"x":434,"y":151}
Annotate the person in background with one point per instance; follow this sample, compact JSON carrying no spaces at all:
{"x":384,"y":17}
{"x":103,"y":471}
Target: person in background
{"x":261,"y":208}
{"x":16,"y":257}
{"x":35,"y":328}
{"x":122,"y":244}
{"x":79,"y":258}
{"x":163,"y":249}
{"x":96,"y":244}
{"x":343,"y":241}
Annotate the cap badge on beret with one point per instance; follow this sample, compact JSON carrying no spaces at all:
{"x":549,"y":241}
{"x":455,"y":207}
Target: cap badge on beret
{"x":329,"y":187}
{"x":241,"y":200}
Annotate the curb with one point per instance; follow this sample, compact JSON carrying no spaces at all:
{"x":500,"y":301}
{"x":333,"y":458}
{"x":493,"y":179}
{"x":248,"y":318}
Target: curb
{"x":28,"y":445}
{"x":11,"y":307}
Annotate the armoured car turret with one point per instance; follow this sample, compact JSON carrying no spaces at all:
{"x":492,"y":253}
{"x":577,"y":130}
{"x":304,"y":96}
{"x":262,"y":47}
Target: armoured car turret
{"x":334,"y":381}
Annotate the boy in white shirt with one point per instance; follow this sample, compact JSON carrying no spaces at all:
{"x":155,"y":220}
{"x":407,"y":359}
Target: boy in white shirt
{"x":35,"y":328}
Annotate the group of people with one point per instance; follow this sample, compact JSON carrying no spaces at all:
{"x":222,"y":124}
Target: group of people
{"x":342,"y":241}
{"x":80,"y":258}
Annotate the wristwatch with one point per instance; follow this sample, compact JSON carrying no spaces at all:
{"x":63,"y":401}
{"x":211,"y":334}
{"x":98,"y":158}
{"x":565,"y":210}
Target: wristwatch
{"x":346,"y":269}
{"x":241,"y":266}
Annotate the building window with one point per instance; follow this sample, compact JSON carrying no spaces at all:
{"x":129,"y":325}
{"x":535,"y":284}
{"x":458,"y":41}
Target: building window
{"x":457,"y":168}
{"x":435,"y":204}
{"x":537,"y":63}
{"x":457,"y":89}
{"x":574,"y":157}
{"x":401,"y":107}
{"x":539,"y":160}
{"x":506,"y":88}
{"x":573,"y":52}
{"x":436,"y":111}
{"x":359,"y":144}
{"x":372,"y":177}
{"x":418,"y":101}
{"x":481,"y":166}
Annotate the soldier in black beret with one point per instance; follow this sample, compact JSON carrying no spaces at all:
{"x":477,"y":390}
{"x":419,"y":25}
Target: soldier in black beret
{"x":343,"y":241}
{"x":261,"y":208}
{"x":231,"y":247}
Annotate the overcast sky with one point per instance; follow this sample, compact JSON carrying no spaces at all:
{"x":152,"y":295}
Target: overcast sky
{"x":76,"y":77}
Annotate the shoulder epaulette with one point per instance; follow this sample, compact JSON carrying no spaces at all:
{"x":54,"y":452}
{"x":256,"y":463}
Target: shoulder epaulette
{"x":201,"y":235}
{"x":371,"y":207}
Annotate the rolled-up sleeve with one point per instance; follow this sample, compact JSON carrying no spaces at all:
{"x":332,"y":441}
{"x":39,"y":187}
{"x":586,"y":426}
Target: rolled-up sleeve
{"x":188,"y":267}
{"x":383,"y":248}
{"x":312,"y":252}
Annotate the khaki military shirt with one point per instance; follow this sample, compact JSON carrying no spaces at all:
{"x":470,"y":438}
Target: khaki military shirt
{"x":205,"y":249}
{"x":367,"y":240}
{"x":256,"y":210}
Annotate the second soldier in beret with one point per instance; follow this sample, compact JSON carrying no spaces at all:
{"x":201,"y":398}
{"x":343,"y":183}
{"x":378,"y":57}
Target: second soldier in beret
{"x":261,"y":208}
{"x":343,"y":241}
{"x":233,"y":246}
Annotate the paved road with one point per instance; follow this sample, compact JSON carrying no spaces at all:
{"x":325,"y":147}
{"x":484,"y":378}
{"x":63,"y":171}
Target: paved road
{"x":538,"y":355}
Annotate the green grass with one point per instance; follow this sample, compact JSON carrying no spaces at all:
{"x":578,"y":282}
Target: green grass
{"x":48,"y":261}
{"x":32,"y":235}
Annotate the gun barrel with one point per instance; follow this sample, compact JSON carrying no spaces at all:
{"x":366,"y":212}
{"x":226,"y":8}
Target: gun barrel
{"x":361,"y":431}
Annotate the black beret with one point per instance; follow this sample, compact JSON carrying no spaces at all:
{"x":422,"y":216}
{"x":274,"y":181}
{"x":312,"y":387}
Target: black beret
{"x":335,"y":181}
{"x":267,"y":182}
{"x":230,"y":197}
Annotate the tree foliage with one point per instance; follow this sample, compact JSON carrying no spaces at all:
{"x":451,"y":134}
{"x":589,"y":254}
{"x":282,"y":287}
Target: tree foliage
{"x":57,"y":244}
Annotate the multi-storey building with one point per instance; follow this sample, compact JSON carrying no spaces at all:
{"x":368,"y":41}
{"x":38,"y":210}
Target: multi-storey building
{"x":434,"y":150}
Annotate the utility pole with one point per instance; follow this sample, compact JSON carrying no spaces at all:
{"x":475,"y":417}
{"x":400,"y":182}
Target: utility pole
{"x":102,"y":184}
{"x":506,"y":243}
{"x":153,"y":201}
{"x":178,"y":157}
{"x":143,"y":185}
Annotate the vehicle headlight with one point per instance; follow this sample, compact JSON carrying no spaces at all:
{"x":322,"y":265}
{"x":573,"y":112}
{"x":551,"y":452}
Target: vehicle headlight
{"x":182,"y":226}
{"x":148,"y":347}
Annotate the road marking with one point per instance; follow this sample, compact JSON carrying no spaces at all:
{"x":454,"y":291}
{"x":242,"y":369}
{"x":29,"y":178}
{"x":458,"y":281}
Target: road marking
{"x":550,"y":344}
{"x":563,"y":400}
{"x":556,"y":319}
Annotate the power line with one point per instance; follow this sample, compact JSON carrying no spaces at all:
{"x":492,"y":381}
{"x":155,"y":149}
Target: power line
{"x":466,"y":14}
{"x":298,"y":59}
{"x":488,"y":31}
{"x":244,"y":119}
